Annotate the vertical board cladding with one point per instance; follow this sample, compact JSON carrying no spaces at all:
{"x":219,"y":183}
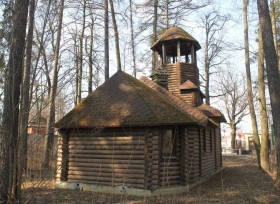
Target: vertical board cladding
{"x":112,"y":157}
{"x":192,"y":172}
{"x":208,"y":159}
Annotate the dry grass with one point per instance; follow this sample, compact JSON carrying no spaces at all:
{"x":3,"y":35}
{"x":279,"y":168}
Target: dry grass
{"x":239,"y":182}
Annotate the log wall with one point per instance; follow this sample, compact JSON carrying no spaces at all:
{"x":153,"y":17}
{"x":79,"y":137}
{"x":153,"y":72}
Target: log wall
{"x":211,"y":158}
{"x":110,"y":158}
{"x":193,"y":167}
{"x":132,"y":157}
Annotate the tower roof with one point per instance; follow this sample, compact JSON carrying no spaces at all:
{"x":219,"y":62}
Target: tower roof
{"x":175,"y":33}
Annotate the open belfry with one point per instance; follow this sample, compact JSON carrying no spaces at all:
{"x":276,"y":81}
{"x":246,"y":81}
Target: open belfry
{"x":143,"y":137}
{"x":177,"y":68}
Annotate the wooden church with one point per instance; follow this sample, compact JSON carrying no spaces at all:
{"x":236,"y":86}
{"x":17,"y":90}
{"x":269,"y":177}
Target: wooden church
{"x":143,"y":136}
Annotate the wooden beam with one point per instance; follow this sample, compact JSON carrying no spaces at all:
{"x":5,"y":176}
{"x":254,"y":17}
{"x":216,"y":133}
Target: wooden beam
{"x":193,"y":53}
{"x":163,"y":54}
{"x":178,"y":51}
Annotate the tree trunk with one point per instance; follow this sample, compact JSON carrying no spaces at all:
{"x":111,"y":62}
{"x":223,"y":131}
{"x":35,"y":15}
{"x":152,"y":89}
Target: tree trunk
{"x":80,"y":66}
{"x":206,"y":68}
{"x":25,"y":103}
{"x":106,"y":40}
{"x":272,"y":75}
{"x":233,"y":134}
{"x":116,"y":32}
{"x":273,"y":16}
{"x":51,"y":119}
{"x":262,"y":104}
{"x":10,"y":123}
{"x":132,"y":40}
{"x":154,"y":54}
{"x":249,"y":84}
{"x":90,"y":54}
{"x":166,"y":14}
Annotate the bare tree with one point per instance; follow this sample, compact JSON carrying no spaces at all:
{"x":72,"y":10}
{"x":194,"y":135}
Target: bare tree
{"x":213,"y":24}
{"x":272,"y":75}
{"x":262,"y":105}
{"x":116,"y":33}
{"x":106,"y":40}
{"x":10,"y":123}
{"x":132,"y":39}
{"x":249,"y":84}
{"x":51,"y":118}
{"x":25,"y":102}
{"x":232,"y":93}
{"x":80,"y":56}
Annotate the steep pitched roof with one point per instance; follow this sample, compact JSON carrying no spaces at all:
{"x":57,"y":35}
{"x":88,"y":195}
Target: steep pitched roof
{"x":212,"y":112}
{"x":175,"y":33}
{"x":125,"y":101}
{"x":191,"y":111}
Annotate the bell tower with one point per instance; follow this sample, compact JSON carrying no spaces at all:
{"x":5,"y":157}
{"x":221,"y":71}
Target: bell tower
{"x":176,"y":68}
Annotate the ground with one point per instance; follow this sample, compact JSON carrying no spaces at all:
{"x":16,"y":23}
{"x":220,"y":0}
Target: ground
{"x":239,"y":182}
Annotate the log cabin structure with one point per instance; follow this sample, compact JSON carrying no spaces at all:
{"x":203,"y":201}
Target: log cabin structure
{"x":143,"y":136}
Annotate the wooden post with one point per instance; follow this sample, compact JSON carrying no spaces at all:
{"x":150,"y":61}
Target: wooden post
{"x":178,"y":51}
{"x":199,"y":150}
{"x":193,"y":57}
{"x":163,"y":54}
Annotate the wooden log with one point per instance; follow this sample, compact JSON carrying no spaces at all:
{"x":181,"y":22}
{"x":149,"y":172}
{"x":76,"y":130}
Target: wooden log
{"x":107,"y":152}
{"x":105,"y":174}
{"x":108,"y":161}
{"x":115,"y":169}
{"x":108,"y":143}
{"x":113,"y":157}
{"x":106,"y":179}
{"x":106,"y":165}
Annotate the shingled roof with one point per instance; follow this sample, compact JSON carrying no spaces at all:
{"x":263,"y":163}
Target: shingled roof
{"x":212,"y":112}
{"x":175,"y":33}
{"x":191,"y":111}
{"x":125,"y":101}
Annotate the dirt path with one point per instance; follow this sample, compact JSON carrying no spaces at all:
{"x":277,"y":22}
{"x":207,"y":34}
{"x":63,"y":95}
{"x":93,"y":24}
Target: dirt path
{"x":239,"y":182}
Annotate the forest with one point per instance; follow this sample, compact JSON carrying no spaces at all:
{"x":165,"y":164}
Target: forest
{"x":54,"y":53}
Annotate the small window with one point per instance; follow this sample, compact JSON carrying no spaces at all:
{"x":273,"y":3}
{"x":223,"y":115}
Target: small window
{"x":168,"y":143}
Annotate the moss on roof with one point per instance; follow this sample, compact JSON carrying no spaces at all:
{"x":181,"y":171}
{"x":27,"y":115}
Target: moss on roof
{"x":124,"y":101}
{"x":175,"y":33}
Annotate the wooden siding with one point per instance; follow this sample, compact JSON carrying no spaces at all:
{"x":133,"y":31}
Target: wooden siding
{"x":110,"y":158}
{"x":179,"y":73}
